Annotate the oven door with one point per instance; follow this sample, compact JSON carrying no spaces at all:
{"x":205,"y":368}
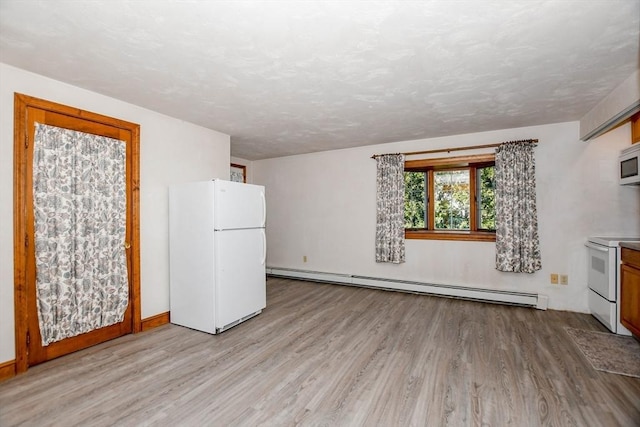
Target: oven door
{"x":601,"y":276}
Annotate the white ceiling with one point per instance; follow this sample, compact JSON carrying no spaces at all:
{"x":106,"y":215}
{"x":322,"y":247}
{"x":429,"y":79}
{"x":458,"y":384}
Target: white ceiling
{"x":290,"y":77}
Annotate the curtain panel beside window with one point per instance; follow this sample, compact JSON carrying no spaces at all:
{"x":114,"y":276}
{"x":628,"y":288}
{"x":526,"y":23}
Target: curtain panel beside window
{"x":517,"y":242}
{"x":390,"y":208}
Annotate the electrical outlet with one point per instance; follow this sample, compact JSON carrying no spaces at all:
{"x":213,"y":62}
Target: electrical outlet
{"x":554,"y":278}
{"x":564,"y":279}
{"x":304,"y":258}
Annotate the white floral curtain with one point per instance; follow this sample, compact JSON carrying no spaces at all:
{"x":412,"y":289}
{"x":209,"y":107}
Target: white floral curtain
{"x":517,"y":243}
{"x":390,"y":208}
{"x":79,"y":197}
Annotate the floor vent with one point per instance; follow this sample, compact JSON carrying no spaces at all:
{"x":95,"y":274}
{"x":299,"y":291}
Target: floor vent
{"x":463,"y":292}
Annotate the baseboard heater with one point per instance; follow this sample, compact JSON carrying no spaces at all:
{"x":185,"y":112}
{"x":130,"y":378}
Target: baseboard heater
{"x":477,"y":294}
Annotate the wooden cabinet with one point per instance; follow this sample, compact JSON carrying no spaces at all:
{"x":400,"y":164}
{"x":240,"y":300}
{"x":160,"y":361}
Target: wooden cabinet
{"x":635,"y":129}
{"x":630,"y":290}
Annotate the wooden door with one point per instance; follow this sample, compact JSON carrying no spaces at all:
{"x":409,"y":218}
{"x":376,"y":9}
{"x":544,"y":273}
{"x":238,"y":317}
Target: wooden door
{"x":28,"y":111}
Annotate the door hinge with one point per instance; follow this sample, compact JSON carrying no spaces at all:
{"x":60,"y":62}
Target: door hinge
{"x":26,"y":141}
{"x":28,"y":339}
{"x":26,"y":241}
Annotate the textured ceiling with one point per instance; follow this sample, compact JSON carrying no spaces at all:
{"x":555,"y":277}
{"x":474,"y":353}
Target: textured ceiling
{"x":289,"y":77}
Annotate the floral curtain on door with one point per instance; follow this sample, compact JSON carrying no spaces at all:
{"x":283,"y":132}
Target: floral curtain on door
{"x":390,"y":208}
{"x":517,"y":243}
{"x":79,"y":197}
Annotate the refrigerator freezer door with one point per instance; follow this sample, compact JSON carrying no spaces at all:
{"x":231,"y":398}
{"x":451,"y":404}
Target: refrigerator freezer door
{"x":239,"y":205}
{"x":240,"y":274}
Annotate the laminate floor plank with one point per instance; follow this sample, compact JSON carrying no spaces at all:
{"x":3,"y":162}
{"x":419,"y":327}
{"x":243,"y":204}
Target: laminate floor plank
{"x":330,"y":355}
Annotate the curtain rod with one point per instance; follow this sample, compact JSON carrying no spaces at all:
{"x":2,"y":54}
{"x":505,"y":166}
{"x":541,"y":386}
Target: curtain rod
{"x":448,"y":150}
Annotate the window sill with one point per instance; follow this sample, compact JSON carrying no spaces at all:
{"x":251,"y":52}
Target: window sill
{"x":474,"y":236}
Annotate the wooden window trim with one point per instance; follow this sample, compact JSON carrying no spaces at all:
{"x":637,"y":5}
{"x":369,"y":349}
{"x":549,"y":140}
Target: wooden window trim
{"x":473,"y":236}
{"x":430,"y":200}
{"x":244,"y":170}
{"x":450,"y":162}
{"x":473,"y":198}
{"x":470,"y":162}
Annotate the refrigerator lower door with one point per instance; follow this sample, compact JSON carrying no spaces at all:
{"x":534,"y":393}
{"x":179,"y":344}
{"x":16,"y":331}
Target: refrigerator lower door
{"x":240,"y":275}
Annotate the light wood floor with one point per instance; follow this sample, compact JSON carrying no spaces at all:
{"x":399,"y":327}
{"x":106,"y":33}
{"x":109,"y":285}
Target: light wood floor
{"x":329,"y":355}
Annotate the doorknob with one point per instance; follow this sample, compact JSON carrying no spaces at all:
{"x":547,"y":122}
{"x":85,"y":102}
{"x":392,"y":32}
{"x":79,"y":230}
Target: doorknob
{"x":127,"y":245}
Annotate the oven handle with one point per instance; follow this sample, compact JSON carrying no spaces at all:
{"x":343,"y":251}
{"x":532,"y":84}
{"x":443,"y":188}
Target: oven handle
{"x":596,"y":247}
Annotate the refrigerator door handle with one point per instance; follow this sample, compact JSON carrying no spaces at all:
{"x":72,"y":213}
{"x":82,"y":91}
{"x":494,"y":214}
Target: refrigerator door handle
{"x":264,"y":208}
{"x":264,"y":247}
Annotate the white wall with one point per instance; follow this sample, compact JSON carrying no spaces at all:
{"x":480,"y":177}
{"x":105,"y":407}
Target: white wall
{"x":322,"y":205}
{"x":171,"y":151}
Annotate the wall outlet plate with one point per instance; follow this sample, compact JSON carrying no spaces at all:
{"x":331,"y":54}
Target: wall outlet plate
{"x":554,"y":278}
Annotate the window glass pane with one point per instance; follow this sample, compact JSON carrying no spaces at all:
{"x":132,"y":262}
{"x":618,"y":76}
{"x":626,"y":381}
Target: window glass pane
{"x":452,"y":206}
{"x":415,"y":184}
{"x":486,"y":198}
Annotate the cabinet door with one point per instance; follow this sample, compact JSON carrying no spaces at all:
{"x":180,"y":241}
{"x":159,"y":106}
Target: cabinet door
{"x":630,"y":298}
{"x":635,"y":129}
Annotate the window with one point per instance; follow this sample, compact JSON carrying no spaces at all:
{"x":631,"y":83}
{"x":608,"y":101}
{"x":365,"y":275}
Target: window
{"x":451,"y":198}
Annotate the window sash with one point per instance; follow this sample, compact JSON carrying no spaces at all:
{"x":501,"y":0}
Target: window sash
{"x":474,"y":164}
{"x":478,"y":196}
{"x":470,"y":198}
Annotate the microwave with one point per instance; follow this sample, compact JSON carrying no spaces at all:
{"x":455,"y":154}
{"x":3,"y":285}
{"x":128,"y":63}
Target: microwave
{"x":629,"y":159}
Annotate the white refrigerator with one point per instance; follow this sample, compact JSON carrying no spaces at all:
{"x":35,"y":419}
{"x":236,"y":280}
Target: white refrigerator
{"x":217,"y":254}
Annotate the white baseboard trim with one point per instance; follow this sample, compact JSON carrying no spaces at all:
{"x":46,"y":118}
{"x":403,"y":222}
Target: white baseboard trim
{"x":525,"y":299}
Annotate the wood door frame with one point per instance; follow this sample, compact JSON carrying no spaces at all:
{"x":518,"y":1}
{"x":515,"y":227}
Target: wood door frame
{"x":20,"y":133}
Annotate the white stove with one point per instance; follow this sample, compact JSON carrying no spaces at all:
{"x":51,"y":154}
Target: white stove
{"x":604,"y":280}
{"x":612,"y":242}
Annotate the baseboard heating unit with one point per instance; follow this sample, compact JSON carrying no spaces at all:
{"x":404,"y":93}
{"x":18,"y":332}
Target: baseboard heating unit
{"x":525,"y":299}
